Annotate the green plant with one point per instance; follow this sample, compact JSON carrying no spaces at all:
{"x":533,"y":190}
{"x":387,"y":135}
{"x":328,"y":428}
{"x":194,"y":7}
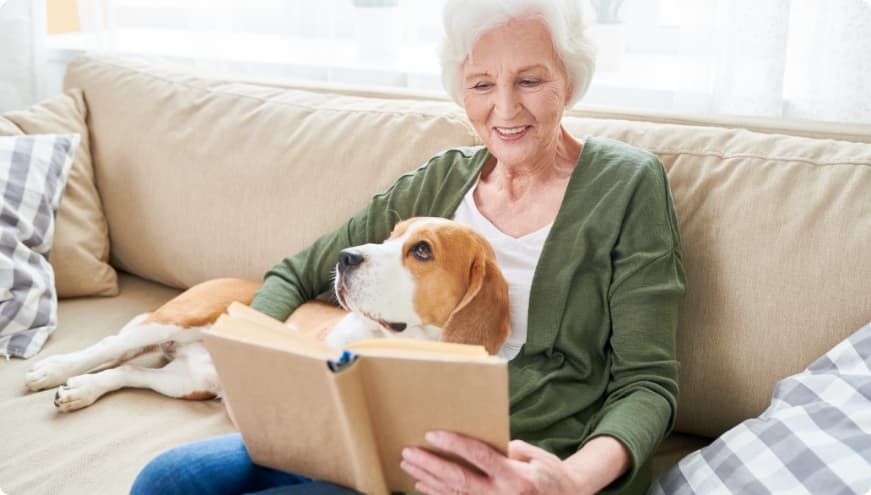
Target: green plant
{"x":607,"y":11}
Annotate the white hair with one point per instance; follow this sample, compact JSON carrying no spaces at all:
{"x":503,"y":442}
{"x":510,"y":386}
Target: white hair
{"x":465,"y":21}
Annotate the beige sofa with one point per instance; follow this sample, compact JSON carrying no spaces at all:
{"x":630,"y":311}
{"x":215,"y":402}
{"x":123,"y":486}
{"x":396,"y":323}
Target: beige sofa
{"x":202,"y":177}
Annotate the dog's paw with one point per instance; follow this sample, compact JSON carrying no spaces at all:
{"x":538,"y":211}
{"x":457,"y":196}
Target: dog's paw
{"x":336,"y":340}
{"x":78,"y":392}
{"x":49,"y":372}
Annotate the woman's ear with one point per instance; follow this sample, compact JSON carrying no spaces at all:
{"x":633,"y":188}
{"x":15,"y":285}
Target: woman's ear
{"x":482,"y":317}
{"x":569,"y":86}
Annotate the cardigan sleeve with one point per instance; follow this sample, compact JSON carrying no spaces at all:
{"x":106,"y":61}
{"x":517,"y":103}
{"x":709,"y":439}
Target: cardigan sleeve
{"x":645,"y":294}
{"x":433,"y":189}
{"x":303,"y":276}
{"x":307,"y":274}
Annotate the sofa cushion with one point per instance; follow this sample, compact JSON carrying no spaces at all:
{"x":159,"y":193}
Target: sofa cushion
{"x":259,"y":172}
{"x":775,"y":235}
{"x":81,"y":245}
{"x":33,"y":173}
{"x":101,"y":448}
{"x":8,"y":128}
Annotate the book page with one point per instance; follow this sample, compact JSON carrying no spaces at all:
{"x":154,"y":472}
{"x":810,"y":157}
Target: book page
{"x":352,"y":413}
{"x":420,"y":349}
{"x":245,"y":324}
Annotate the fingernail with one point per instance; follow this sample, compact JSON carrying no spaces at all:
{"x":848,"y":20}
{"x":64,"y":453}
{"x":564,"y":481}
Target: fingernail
{"x":431,"y":437}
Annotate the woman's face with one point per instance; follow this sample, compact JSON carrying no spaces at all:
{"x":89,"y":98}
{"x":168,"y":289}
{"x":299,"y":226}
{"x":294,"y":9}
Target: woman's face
{"x":515,"y":91}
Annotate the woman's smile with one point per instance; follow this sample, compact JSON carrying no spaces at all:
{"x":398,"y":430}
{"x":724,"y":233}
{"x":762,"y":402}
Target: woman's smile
{"x":512,"y":133}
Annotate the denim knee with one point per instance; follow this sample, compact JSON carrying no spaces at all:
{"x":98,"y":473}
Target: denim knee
{"x":213,"y":466}
{"x":159,"y":475}
{"x":216,"y":465}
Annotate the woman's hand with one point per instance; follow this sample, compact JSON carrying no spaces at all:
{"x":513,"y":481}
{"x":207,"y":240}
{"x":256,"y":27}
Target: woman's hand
{"x":526,"y":469}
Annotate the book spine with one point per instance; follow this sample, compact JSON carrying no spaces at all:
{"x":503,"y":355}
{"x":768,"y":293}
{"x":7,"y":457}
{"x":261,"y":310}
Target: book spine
{"x":356,"y":424}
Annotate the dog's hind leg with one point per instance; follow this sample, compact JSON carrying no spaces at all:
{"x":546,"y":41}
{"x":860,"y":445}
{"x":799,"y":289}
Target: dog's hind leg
{"x":190,"y":375}
{"x":133,"y":339}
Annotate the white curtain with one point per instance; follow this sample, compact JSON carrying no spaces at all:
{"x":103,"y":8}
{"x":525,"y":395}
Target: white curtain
{"x":793,"y":59}
{"x":741,"y":57}
{"x":375,"y":42}
{"x":804,"y":59}
{"x":19,"y":51}
{"x":828,"y":73}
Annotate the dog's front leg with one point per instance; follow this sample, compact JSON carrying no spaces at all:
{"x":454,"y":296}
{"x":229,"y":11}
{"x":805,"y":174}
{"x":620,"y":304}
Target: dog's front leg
{"x":352,"y":328}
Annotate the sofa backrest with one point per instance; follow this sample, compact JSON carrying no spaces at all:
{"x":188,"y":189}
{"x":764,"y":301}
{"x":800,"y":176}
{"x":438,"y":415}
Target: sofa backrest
{"x":204,"y":177}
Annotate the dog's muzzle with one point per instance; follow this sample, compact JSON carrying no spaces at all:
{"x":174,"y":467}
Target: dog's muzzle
{"x":350,"y":259}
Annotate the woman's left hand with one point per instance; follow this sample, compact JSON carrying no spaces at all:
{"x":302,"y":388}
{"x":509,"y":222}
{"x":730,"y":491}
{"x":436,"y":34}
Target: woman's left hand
{"x":526,"y":469}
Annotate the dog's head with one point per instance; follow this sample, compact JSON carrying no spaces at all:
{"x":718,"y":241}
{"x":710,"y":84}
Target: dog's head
{"x":432,"y":278}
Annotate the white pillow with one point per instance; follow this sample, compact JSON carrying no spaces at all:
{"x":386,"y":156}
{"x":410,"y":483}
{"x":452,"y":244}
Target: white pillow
{"x":33,"y":174}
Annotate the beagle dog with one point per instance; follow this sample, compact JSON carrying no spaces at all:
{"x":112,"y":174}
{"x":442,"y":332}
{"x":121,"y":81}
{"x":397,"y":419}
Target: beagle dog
{"x":431,"y":279}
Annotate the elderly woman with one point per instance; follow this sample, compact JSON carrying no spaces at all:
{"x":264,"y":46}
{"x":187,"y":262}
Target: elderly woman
{"x":585,"y":231}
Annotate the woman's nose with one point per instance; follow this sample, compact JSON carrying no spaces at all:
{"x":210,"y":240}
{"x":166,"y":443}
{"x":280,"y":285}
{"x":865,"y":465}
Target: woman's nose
{"x":507,"y":102}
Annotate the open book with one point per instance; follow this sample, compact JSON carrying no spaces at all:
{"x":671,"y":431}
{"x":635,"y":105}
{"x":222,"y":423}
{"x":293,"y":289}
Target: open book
{"x":345,"y":417}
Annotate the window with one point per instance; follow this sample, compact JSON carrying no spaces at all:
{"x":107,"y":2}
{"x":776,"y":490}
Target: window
{"x":804,"y":59}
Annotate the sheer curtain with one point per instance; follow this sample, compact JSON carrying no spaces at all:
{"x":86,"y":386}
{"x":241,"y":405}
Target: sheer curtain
{"x":807,"y":59}
{"x":19,"y":52}
{"x":386,"y":42}
{"x":828,"y":73}
{"x":741,"y":48}
{"x":794,"y":59}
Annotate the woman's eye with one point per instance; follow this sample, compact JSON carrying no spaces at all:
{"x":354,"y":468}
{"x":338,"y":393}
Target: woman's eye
{"x":529,"y":82}
{"x":422,"y":251}
{"x":482,"y":85}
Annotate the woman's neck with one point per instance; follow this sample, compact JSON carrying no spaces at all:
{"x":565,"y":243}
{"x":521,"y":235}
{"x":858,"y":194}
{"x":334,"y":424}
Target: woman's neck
{"x":521,"y":200}
{"x":515,"y":180}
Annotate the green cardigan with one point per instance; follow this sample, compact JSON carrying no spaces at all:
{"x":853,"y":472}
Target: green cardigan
{"x":600,"y":353}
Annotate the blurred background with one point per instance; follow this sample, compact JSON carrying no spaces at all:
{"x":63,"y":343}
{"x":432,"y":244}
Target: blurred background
{"x":785,"y":59}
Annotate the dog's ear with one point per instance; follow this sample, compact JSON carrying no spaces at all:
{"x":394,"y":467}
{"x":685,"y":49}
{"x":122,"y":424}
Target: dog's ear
{"x":482,"y":317}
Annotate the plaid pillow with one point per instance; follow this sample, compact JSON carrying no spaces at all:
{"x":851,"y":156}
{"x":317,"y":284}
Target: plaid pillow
{"x":815,"y":437}
{"x":33,"y":173}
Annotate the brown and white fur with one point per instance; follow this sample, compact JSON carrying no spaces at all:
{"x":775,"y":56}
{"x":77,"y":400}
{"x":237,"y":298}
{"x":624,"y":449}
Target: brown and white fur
{"x":431,"y":279}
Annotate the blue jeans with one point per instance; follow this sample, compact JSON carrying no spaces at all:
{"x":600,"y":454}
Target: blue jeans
{"x":221,"y":465}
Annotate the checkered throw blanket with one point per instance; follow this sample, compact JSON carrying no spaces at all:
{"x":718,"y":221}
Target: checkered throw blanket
{"x":814,"y":438}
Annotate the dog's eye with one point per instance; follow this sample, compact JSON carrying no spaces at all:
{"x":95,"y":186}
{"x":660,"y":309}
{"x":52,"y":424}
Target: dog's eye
{"x":422,"y":251}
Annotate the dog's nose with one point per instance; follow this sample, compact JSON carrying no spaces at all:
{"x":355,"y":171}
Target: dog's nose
{"x":349,"y":259}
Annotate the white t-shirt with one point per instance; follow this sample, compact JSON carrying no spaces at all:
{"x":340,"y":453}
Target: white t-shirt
{"x":517,"y":257}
